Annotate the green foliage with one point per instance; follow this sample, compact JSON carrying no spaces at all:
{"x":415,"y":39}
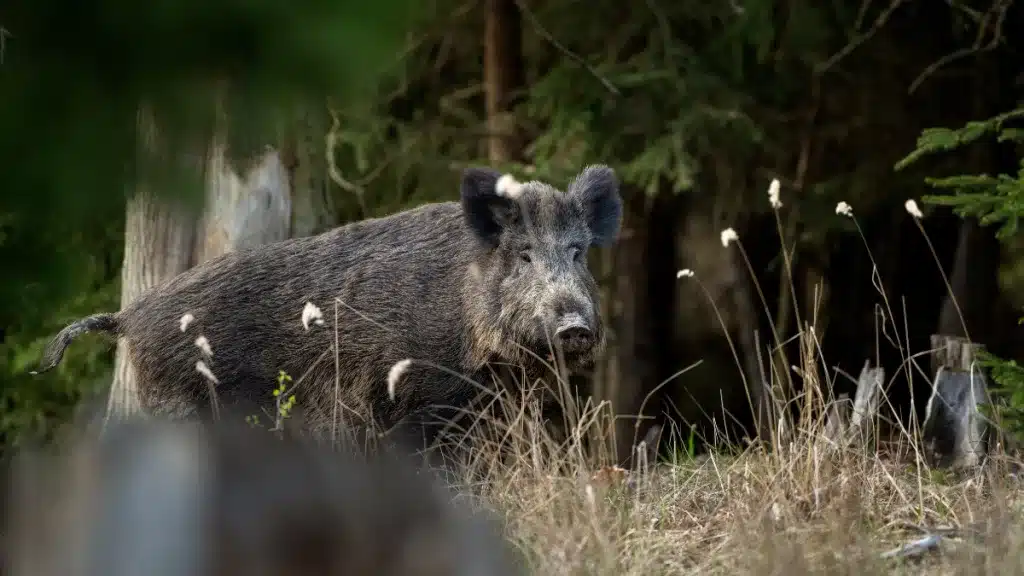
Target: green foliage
{"x":284,"y":403}
{"x":1008,"y":394}
{"x":73,"y":80}
{"x":993,"y":200}
{"x":33,"y":405}
{"x":698,"y":90}
{"x":285,"y":399}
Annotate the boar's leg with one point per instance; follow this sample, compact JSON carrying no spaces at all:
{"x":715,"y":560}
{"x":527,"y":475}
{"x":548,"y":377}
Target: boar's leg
{"x":438,"y":434}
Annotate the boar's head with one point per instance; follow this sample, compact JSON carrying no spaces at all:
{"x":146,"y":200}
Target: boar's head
{"x":533,"y":294}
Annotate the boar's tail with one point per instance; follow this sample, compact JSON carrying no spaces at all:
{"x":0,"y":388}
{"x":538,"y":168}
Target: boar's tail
{"x":55,"y":349}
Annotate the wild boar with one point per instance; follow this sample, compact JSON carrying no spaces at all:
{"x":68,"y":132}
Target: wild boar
{"x":435,"y":296}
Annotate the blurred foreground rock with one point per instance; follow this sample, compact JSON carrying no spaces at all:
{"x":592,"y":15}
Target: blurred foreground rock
{"x":170,"y":499}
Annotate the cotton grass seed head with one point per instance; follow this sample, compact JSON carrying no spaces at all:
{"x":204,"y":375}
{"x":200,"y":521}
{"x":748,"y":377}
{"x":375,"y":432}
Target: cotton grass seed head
{"x":187,"y":319}
{"x":203,"y":344}
{"x":773,"y":194}
{"x":728,"y":236}
{"x":203,"y":369}
{"x":311,"y":314}
{"x":912,"y":209}
{"x":508,"y":186}
{"x":395,"y":375}
{"x":684,"y":273}
{"x":844,"y":209}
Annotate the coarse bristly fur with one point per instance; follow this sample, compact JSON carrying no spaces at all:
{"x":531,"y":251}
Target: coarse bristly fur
{"x":494,"y":278}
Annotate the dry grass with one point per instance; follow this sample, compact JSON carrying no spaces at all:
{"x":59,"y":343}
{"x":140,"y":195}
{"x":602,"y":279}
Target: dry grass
{"x":806,"y":508}
{"x":797,"y":504}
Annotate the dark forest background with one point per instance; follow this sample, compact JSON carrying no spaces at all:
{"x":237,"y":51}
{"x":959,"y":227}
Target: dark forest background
{"x":375,"y":107}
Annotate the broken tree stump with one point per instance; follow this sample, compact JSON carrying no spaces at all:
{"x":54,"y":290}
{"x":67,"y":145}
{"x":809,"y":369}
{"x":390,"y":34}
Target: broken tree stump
{"x":865,"y":403}
{"x":848,"y":420}
{"x":837,"y":419}
{"x":954,"y":428}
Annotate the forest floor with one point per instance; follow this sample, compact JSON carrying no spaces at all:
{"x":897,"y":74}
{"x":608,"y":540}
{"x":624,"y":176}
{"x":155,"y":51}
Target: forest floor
{"x":806,"y":509}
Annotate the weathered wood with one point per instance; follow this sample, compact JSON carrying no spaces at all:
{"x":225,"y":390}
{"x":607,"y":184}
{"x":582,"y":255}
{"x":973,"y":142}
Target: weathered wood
{"x":244,"y":213}
{"x":846,"y":420}
{"x":952,"y":352}
{"x":163,"y":240}
{"x":865,"y":402}
{"x":647,"y":449}
{"x":158,"y":245}
{"x":837,"y":419}
{"x":954,"y":428}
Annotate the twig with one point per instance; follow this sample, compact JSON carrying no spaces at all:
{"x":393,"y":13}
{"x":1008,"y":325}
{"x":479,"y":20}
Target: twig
{"x":337,"y":381}
{"x":860,"y":39}
{"x":666,"y":32}
{"x":1000,"y":6}
{"x":331,"y":141}
{"x":539,"y":28}
{"x":862,"y":13}
{"x":916,"y":548}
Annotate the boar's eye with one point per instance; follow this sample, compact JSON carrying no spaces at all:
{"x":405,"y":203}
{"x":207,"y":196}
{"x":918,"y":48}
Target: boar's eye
{"x":524,"y":255}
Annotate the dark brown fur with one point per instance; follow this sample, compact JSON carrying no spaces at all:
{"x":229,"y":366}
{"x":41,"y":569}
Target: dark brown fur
{"x":458,"y":285}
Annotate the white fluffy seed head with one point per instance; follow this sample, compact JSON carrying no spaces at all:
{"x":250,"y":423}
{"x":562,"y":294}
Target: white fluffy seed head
{"x":844,"y":209}
{"x":311,"y":314}
{"x":912,"y":209}
{"x":395,"y":375}
{"x":684,"y":273}
{"x":187,"y":319}
{"x":203,"y":344}
{"x":773,"y":194}
{"x":729,"y":236}
{"x":508,"y":186}
{"x":203,"y":369}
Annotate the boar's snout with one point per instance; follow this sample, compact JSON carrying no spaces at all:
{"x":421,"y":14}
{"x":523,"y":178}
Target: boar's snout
{"x":574,"y":334}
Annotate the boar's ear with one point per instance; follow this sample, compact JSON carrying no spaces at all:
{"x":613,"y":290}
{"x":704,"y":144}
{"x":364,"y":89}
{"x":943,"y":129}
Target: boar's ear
{"x":486,"y":212}
{"x":597,"y":189}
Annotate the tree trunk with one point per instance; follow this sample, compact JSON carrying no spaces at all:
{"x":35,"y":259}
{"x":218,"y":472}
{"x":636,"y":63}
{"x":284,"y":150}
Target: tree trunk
{"x":503,"y":78}
{"x":157,"y":246}
{"x":628,"y":371}
{"x":163,"y":240}
{"x":303,"y":155}
{"x":974,"y":283}
{"x":244,"y":213}
{"x":974,"y":273}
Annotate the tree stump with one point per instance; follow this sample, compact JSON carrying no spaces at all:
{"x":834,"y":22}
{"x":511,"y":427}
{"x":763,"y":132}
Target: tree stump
{"x":846,"y":419}
{"x":865,"y":403}
{"x":954,"y":429}
{"x":837,"y":419}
